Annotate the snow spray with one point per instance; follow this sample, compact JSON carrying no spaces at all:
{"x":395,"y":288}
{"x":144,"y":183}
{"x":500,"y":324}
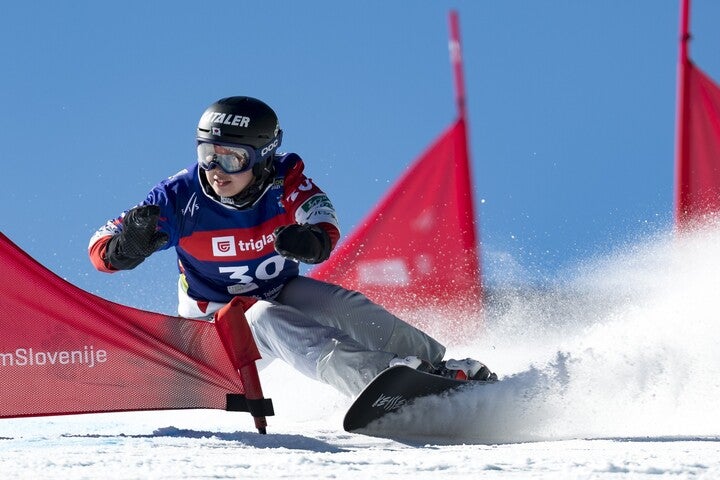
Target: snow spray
{"x":625,"y":349}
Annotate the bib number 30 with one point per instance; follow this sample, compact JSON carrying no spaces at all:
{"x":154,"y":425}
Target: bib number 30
{"x":267,"y":270}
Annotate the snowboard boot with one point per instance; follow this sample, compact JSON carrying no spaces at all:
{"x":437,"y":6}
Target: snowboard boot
{"x":466,"y":369}
{"x":413,"y":362}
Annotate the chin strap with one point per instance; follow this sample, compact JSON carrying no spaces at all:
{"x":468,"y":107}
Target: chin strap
{"x":263,"y":176}
{"x":262,"y":173}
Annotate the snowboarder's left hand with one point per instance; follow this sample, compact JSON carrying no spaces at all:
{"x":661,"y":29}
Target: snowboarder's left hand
{"x":305,"y":243}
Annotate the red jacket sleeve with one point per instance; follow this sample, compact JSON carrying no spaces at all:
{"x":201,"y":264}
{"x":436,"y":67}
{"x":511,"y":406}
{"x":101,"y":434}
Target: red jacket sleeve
{"x":96,"y":251}
{"x":308,"y":203}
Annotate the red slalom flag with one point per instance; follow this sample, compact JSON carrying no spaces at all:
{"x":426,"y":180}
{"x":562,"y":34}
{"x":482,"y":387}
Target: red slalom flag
{"x":697,"y":162}
{"x":417,"y":249}
{"x":66,"y":351}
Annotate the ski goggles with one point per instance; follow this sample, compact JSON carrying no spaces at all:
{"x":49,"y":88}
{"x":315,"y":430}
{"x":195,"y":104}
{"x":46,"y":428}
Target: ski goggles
{"x":233,"y":158}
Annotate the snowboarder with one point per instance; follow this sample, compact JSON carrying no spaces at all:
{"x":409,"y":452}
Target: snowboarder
{"x":241,"y":219}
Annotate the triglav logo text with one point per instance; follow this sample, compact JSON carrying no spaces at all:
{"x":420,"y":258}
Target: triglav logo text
{"x":228,"y":247}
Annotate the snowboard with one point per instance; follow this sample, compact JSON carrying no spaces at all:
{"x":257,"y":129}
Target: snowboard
{"x":394,"y":388}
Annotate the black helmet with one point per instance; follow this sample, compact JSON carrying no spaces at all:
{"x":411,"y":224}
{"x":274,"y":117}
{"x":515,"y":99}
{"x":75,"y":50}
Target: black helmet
{"x":240,"y":120}
{"x":243,"y":121}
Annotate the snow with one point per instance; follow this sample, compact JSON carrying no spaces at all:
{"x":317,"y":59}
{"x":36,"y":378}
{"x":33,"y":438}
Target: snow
{"x":612,"y":374}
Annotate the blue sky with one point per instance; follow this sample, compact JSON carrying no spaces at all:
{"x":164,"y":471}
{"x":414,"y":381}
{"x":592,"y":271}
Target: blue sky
{"x":571,"y":113}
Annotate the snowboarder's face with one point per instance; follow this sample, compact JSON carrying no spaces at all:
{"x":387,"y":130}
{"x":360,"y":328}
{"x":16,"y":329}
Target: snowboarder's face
{"x":228,"y":184}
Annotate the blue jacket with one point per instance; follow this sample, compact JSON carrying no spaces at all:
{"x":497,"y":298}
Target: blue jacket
{"x":224,"y":251}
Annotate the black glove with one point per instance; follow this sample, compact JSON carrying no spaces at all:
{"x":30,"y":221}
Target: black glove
{"x":306,"y":243}
{"x":138,"y":239}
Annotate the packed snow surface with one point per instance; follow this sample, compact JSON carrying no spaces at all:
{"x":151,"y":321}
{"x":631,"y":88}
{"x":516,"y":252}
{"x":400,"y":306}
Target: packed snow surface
{"x":611,"y":373}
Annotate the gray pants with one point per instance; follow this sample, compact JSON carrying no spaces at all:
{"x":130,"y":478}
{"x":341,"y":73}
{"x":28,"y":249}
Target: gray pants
{"x":334,"y":335}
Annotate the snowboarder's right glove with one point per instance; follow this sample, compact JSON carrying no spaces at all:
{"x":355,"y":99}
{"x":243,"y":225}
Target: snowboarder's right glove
{"x":306,"y":243}
{"x":138,"y":239}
